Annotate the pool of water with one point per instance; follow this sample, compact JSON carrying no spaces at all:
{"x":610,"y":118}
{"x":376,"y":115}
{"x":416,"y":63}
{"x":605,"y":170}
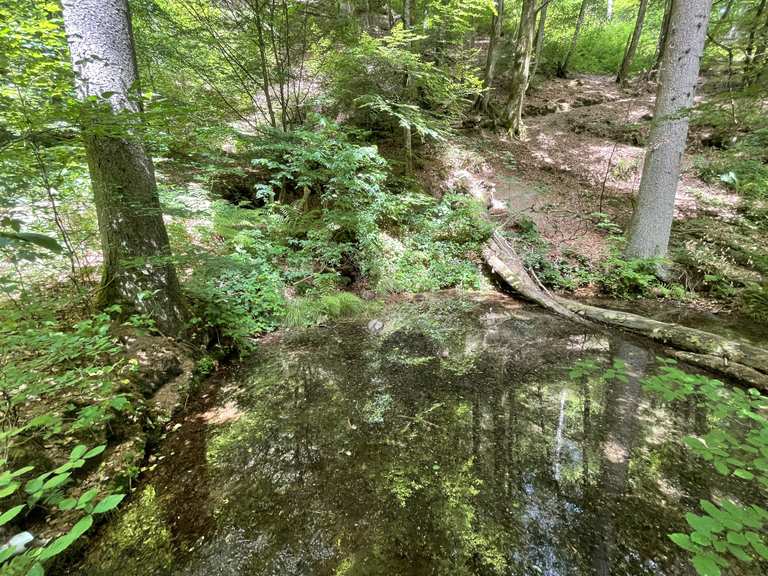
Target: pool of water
{"x":444,"y":438}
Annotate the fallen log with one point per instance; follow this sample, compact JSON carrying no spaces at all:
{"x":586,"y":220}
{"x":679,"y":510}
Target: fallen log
{"x":740,"y":361}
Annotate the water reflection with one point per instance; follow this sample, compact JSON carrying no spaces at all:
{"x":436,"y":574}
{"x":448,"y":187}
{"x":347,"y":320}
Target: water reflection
{"x":451,"y":442}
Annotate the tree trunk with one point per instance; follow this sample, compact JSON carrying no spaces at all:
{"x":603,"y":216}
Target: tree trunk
{"x":540,"y":37}
{"x":742,"y":362}
{"x":562,"y":69}
{"x":407,"y":16}
{"x":137,"y":268}
{"x":629,"y":54}
{"x":749,"y":54}
{"x":663,"y":33}
{"x":652,"y":221}
{"x":483,"y":99}
{"x":513,"y":113}
{"x":609,"y":10}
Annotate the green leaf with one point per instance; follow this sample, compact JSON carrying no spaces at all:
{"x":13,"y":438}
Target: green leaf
{"x":56,"y":481}
{"x":757,"y":544}
{"x":705,"y":565}
{"x":9,"y":515}
{"x":736,"y":538}
{"x":21,"y":471}
{"x":36,"y":570}
{"x":41,"y":240}
{"x":705,"y":524}
{"x":95,"y":451}
{"x":78,"y":451}
{"x":8,"y":490}
{"x":109,"y":503}
{"x":701,"y":538}
{"x":684,"y":541}
{"x":86,"y":497}
{"x":739,"y":553}
{"x":67,"y":504}
{"x":746,"y":474}
{"x":63,"y":542}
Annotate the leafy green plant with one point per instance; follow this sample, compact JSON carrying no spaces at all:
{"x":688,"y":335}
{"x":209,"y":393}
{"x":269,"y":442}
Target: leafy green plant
{"x":754,"y":301}
{"x":310,"y":311}
{"x":735,"y":444}
{"x":239,"y":295}
{"x":387,"y":83}
{"x":49,"y":489}
{"x":437,"y":244}
{"x":556,"y":272}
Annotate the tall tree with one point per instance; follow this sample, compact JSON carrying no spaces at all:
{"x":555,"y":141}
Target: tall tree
{"x":652,"y":220}
{"x":629,"y":53}
{"x":609,"y":10}
{"x":759,"y":24}
{"x":562,"y":69}
{"x":483,"y":99}
{"x":540,"y":36}
{"x":137,"y":269}
{"x":663,"y":32}
{"x":513,"y":113}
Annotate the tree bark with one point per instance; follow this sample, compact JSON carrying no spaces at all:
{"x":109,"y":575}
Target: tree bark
{"x":562,"y":69}
{"x":609,"y":10}
{"x":407,"y":16}
{"x":652,"y":220}
{"x":663,"y":33}
{"x":540,"y":37}
{"x":137,"y":271}
{"x":629,"y":54}
{"x":749,"y":53}
{"x":483,"y":99}
{"x":513,"y":113}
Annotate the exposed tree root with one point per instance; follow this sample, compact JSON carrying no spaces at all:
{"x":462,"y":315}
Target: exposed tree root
{"x":742,"y":362}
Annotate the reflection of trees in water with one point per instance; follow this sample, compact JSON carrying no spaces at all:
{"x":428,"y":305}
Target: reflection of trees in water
{"x":433,"y":451}
{"x":620,"y":428}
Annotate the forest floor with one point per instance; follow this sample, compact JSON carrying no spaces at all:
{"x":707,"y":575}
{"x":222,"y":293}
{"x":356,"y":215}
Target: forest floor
{"x":578,"y":167}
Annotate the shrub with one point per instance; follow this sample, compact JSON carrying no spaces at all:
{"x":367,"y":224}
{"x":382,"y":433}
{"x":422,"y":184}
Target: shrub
{"x":438,"y":247}
{"x":239,"y":295}
{"x":309,"y":311}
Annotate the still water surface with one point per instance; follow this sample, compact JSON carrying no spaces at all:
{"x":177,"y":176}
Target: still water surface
{"x":448,"y":439}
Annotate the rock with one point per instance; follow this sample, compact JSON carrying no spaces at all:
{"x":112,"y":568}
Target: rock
{"x":375,"y":326}
{"x":19,"y":542}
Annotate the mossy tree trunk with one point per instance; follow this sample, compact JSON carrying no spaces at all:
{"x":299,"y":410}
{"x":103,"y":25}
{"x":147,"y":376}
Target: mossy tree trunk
{"x":482,"y":101}
{"x":521,"y":66}
{"x":138,"y":272}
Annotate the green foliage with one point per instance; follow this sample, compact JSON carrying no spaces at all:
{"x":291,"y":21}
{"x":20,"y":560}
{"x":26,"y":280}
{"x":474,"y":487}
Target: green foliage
{"x":388,"y":84}
{"x":601,"y":44}
{"x":311,"y":311}
{"x":629,"y":278}
{"x":335,"y":186}
{"x":49,"y":490}
{"x":437,"y":246}
{"x":553,"y":271}
{"x":754,"y":301}
{"x":239,"y":295}
{"x":734,"y":443}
